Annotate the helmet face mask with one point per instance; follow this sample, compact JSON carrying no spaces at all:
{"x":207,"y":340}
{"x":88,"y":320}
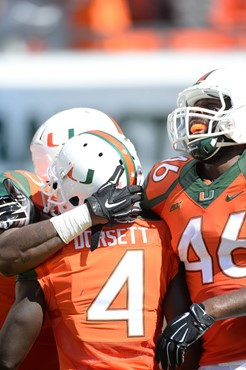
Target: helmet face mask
{"x":57,"y":130}
{"x":217,"y":124}
{"x":84,"y":164}
{"x":224,"y":126}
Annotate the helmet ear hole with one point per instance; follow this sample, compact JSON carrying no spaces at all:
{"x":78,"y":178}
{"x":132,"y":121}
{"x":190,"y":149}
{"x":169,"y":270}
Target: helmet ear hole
{"x":228,"y":102}
{"x":74,"y":201}
{"x":121,"y":162}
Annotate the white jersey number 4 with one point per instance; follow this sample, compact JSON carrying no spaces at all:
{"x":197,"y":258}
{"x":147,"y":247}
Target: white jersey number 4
{"x":128,"y":271}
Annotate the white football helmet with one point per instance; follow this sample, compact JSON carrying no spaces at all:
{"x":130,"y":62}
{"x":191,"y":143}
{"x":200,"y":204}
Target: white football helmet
{"x":131,"y":148}
{"x":226,"y":127}
{"x":58,"y":129}
{"x":84,"y":163}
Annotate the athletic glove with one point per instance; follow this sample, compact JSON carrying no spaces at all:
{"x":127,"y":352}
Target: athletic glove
{"x":179,"y":334}
{"x":116,"y":205}
{"x":16,"y":209}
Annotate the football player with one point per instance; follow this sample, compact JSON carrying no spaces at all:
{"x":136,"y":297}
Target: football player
{"x":106,"y":306}
{"x":19,"y":190}
{"x":202,"y":199}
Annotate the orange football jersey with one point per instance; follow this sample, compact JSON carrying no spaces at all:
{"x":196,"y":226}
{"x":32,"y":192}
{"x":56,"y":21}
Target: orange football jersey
{"x":106,"y":306}
{"x":208,"y":231}
{"x":44,"y":346}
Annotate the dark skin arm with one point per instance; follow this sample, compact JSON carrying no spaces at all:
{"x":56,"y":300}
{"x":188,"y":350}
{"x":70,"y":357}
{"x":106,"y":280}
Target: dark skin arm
{"x":227,"y":305}
{"x":22,"y":249}
{"x":177,"y":297}
{"x":185,"y":330}
{"x":22,"y":325}
{"x":177,"y":301}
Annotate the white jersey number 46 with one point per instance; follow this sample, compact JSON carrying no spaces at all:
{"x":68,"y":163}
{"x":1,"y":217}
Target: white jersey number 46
{"x":192,"y":235}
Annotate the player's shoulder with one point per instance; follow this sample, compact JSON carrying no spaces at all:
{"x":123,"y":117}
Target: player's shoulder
{"x":150,"y":220}
{"x":156,"y":230}
{"x":25,"y":180}
{"x":164,"y":176}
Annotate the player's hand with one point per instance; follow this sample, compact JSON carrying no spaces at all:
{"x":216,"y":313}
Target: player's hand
{"x":16,"y":209}
{"x":179,"y":334}
{"x":115,"y":205}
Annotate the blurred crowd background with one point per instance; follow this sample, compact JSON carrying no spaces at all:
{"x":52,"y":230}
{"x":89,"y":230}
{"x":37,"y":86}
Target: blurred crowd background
{"x":129,"y":58}
{"x":39,"y":25}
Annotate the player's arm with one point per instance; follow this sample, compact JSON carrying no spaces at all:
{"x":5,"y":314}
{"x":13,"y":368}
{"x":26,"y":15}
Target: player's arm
{"x":22,"y":248}
{"x":22,"y":325}
{"x":177,"y":301}
{"x":188,"y":327}
{"x":23,"y":244}
{"x":227,"y":305}
{"x":177,"y":298}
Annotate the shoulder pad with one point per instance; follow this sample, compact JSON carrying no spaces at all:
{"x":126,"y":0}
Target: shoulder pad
{"x":162,"y":179}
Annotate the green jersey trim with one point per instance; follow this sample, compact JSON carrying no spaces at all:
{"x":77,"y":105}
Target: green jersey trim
{"x":204,"y":194}
{"x":28,"y":275}
{"x":195,"y":188}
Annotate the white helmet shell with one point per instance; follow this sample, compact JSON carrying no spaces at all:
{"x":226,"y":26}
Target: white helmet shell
{"x":221,"y":84}
{"x":58,"y":129}
{"x":85,"y":163}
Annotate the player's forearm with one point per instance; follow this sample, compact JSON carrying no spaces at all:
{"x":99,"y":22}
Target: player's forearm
{"x":177,"y":298}
{"x":24,"y":248}
{"x":22,"y":325}
{"x":227,"y":305}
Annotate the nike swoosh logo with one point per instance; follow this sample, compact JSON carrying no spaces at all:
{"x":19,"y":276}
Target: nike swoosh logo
{"x":230,"y":197}
{"x":107,"y":205}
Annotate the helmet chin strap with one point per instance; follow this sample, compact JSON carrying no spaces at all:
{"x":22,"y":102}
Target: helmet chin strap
{"x":206,"y":148}
{"x":227,"y":143}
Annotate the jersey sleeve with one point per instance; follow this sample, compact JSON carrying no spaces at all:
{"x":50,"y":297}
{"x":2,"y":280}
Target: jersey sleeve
{"x":161,"y":180}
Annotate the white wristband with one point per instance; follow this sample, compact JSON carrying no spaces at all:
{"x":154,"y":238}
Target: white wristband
{"x":72,"y":223}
